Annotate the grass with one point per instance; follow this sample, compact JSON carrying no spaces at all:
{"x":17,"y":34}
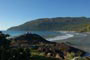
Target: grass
{"x":36,"y":55}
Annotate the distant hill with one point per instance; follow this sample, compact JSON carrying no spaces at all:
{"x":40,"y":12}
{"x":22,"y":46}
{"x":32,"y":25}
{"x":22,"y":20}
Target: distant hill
{"x":31,"y":38}
{"x":55,"y":24}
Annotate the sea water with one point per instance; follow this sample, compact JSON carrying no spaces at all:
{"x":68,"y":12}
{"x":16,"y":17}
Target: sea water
{"x":51,"y":36}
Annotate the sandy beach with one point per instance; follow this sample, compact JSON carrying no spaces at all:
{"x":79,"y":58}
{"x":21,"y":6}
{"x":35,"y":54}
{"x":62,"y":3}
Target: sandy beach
{"x":80,"y":40}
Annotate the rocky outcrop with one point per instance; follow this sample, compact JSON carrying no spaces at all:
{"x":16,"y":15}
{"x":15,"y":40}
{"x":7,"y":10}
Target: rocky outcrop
{"x":29,"y":39}
{"x":60,"y":50}
{"x":34,"y":38}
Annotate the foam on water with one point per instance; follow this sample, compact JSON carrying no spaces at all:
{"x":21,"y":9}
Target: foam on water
{"x":61,"y":37}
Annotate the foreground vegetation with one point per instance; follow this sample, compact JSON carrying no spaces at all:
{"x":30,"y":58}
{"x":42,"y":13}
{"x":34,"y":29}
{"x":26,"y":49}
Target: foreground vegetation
{"x":44,"y":51}
{"x":36,"y":55}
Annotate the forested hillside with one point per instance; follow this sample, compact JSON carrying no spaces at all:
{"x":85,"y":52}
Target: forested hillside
{"x":81,"y":24}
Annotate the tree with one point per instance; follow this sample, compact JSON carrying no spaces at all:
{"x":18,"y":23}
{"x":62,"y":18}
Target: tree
{"x":4,"y":45}
{"x":4,"y":42}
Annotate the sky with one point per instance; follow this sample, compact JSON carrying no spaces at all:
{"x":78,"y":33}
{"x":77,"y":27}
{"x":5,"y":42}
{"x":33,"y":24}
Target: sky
{"x":16,"y":12}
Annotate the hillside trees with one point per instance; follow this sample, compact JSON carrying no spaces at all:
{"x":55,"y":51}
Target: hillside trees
{"x":8,"y":53}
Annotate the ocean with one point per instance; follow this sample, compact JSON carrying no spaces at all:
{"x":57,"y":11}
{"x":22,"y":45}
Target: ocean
{"x":51,"y":36}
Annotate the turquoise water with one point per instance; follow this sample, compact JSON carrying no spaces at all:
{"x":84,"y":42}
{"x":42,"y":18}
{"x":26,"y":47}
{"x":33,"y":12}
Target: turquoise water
{"x":46,"y":34}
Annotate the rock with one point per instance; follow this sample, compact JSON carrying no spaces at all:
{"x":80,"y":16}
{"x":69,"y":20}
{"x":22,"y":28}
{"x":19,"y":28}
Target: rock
{"x":30,"y":39}
{"x":58,"y":56}
{"x":49,"y":54}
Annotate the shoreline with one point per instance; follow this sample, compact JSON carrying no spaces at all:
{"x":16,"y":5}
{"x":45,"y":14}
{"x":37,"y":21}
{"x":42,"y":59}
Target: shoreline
{"x":81,"y":42}
{"x":66,"y":36}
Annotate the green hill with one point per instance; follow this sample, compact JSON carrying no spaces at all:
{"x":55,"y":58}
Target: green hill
{"x":55,"y":24}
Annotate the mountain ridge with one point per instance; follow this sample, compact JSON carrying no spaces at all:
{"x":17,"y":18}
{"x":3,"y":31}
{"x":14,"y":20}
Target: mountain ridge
{"x":54,"y":24}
